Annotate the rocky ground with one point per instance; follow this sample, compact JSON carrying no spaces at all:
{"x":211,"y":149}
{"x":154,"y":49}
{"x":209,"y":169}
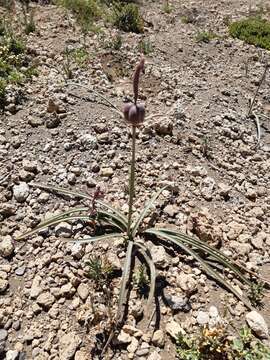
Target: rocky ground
{"x":198,"y":139}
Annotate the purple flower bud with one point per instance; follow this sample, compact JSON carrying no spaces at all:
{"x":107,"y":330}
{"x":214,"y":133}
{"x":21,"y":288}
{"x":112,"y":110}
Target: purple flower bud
{"x":141,"y":113}
{"x":126,"y":109}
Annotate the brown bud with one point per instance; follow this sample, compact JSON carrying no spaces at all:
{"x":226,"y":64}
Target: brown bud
{"x":134,"y":114}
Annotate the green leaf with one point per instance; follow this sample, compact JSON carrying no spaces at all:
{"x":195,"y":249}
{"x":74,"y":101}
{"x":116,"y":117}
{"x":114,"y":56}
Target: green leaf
{"x":205,"y":266}
{"x":147,"y":256}
{"x":124,"y":283}
{"x":214,"y":253}
{"x":95,"y":238}
{"x":140,"y":218}
{"x":52,"y":221}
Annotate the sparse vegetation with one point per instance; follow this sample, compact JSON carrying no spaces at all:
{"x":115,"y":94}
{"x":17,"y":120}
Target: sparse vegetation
{"x":253,"y":30}
{"x":217,"y":344}
{"x":205,"y":36}
{"x":15,"y":65}
{"x":145,"y":46}
{"x":167,"y":8}
{"x":127,"y":17}
{"x":99,"y":270}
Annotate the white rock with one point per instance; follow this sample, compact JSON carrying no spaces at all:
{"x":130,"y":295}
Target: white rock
{"x":159,"y":256}
{"x":21,"y":191}
{"x":187,"y":283}
{"x":36,"y":289}
{"x":124,"y":338}
{"x":202,"y":318}
{"x":114,"y":261}
{"x":215,"y":319}
{"x":133,"y":346}
{"x":45,"y":299}
{"x":77,"y":250}
{"x":3,"y":285}
{"x":6,"y":246}
{"x":83,"y":291}
{"x":12,"y":355}
{"x":174,"y":329}
{"x":68,"y":345}
{"x":158,"y":338}
{"x":154,"y":356}
{"x":257,"y":324}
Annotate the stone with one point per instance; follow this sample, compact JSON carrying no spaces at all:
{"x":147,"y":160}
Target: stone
{"x":207,"y":188}
{"x":224,"y":190}
{"x":6,"y":246}
{"x":12,"y":355}
{"x":257,"y":324}
{"x":36,"y":289}
{"x":202,"y":318}
{"x":124,"y":338}
{"x":164,"y":127}
{"x":106,"y":172}
{"x":133,"y":346}
{"x":88,"y":142}
{"x":3,"y":334}
{"x":67,"y":290}
{"x":20,"y":271}
{"x":45,"y":299}
{"x":174,"y":329}
{"x":81,"y":355}
{"x":171,"y":210}
{"x":187,"y":283}
{"x":215,"y":319}
{"x":178,"y":302}
{"x":53,"y":121}
{"x":158,"y":338}
{"x":77,"y":251}
{"x":63,"y":229}
{"x":159,"y":256}
{"x":68,"y":345}
{"x":21,"y":192}
{"x":114,"y":261}
{"x":154,"y":356}
{"x":3,"y":285}
{"x":83,"y":291}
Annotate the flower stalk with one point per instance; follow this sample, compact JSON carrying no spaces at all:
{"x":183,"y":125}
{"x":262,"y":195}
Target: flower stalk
{"x":131,"y":180}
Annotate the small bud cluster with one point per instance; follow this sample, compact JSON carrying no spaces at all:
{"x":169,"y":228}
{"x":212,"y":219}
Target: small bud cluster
{"x":134,"y":113}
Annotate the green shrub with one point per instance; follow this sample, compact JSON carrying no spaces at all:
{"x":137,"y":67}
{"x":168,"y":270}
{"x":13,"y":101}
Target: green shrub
{"x":127,"y":18}
{"x":205,"y":36}
{"x":254,"y":30}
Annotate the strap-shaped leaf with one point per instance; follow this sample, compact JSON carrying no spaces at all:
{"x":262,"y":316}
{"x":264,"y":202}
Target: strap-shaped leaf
{"x":51,"y":222}
{"x":95,"y":238}
{"x":204,"y":264}
{"x":147,"y":256}
{"x":83,"y":196}
{"x":124,"y":283}
{"x":145,"y":211}
{"x":216,"y":254}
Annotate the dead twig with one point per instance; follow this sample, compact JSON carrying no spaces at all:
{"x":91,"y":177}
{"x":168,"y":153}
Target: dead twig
{"x":257,"y":90}
{"x":258,"y":129}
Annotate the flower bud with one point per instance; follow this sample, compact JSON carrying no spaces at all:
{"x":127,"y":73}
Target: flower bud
{"x":126,"y":109}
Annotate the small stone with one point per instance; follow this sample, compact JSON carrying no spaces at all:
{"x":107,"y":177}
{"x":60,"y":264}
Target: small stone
{"x":114,"y":261}
{"x":6,"y":246}
{"x":20,"y":271}
{"x":159,"y":256}
{"x":178,"y":303}
{"x":12,"y":355}
{"x":124,"y":338}
{"x":34,"y":121}
{"x":215,"y":319}
{"x":52,"y":122}
{"x":45,"y":299}
{"x":133,"y":346}
{"x":35,"y":288}
{"x":63,"y":229}
{"x":174,"y":329}
{"x":77,"y":251}
{"x":202,"y":318}
{"x":83,"y":291}
{"x":81,"y":355}
{"x":21,"y":192}
{"x":171,"y":210}
{"x":68,"y":345}
{"x":158,"y":338}
{"x":154,"y":356}
{"x":224,"y":190}
{"x":187,"y":283}
{"x":3,"y":285}
{"x":164,"y":127}
{"x":67,"y":290}
{"x":106,"y":172}
{"x":257,"y":324}
{"x":88,"y":142}
{"x":3,"y":334}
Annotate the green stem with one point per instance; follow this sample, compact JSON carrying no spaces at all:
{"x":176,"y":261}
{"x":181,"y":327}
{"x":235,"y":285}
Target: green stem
{"x":131,"y":180}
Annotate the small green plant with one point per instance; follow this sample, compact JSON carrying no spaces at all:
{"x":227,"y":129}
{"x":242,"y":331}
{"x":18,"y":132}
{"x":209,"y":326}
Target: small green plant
{"x":167,"y":8}
{"x":145,"y":46}
{"x":141,"y":279}
{"x":15,"y":65}
{"x":205,"y":36}
{"x":112,"y":223}
{"x":256,"y":294}
{"x":99,"y":270}
{"x":127,"y":18}
{"x":216,"y":344}
{"x":85,"y":12}
{"x":73,"y":58}
{"x":30,"y":25}
{"x":253,"y":30}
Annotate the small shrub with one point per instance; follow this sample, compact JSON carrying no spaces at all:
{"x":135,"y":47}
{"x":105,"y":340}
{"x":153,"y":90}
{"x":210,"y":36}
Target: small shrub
{"x":99,"y":270}
{"x":255,"y":31}
{"x":115,"y":43}
{"x":216,"y":344}
{"x":127,"y":18}
{"x":205,"y":36}
{"x":167,"y":8}
{"x":145,"y":46}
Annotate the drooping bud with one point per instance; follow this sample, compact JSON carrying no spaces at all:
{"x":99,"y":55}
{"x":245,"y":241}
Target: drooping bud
{"x":135,"y":114}
{"x":126,"y":109}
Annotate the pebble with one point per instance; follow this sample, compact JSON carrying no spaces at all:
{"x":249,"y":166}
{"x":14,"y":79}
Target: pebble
{"x":257,"y":324}
{"x":21,"y":192}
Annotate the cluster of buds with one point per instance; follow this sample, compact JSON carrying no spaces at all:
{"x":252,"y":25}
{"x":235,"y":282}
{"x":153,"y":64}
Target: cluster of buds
{"x":134,"y":113}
